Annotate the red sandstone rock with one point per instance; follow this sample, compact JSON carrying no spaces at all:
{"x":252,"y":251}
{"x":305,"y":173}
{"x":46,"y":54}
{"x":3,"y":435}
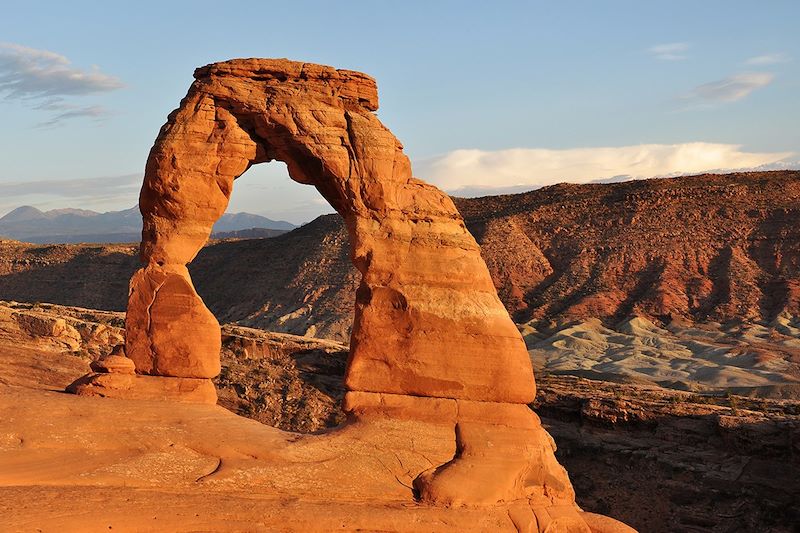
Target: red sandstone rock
{"x":424,"y":289}
{"x":133,"y":387}
{"x":180,"y":337}
{"x":114,"y":364}
{"x":431,"y":341}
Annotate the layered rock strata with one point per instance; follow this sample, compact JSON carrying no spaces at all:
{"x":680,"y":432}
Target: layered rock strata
{"x":431,"y":340}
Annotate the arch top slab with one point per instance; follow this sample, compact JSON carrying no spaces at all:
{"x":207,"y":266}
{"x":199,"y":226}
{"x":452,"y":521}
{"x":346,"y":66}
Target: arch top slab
{"x":427,"y":319}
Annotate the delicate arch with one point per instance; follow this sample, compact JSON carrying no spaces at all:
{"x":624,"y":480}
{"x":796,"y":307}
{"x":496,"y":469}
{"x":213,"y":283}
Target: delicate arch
{"x":431,"y":343}
{"x":428,"y":321}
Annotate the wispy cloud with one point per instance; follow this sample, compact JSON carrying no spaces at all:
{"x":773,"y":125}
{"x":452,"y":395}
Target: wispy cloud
{"x":110,"y":192}
{"x":669,"y":51}
{"x":73,"y":188}
{"x":767,"y":59}
{"x":95,"y":112}
{"x":467,"y":171}
{"x":32,"y":73}
{"x":730,"y":89}
{"x":47,"y":79}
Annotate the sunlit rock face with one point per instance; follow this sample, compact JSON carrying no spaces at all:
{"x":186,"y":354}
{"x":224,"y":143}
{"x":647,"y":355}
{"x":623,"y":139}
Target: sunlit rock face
{"x":428,"y":321}
{"x":431,"y":344}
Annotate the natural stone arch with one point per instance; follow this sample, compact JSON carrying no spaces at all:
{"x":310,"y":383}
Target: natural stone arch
{"x":428,"y":321}
{"x":432,"y":345}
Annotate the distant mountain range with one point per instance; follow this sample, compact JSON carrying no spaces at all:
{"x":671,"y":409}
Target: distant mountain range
{"x":29,"y":224}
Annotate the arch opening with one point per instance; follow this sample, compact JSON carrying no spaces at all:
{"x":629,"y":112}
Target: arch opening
{"x":298,"y":283}
{"x":267,"y":190}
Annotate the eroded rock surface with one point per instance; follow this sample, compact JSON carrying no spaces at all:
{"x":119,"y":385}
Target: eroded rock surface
{"x":662,"y":461}
{"x":437,"y":374}
{"x":424,"y":286}
{"x":432,"y":345}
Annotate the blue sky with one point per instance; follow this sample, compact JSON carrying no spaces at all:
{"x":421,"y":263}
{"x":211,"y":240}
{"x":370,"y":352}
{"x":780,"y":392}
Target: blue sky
{"x":484,"y":96}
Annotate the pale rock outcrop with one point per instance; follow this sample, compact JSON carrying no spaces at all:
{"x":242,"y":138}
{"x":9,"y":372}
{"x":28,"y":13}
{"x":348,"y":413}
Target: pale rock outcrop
{"x":39,"y":323}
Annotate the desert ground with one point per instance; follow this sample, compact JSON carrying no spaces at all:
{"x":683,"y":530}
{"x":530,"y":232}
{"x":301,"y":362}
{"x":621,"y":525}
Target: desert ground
{"x":657,"y":459}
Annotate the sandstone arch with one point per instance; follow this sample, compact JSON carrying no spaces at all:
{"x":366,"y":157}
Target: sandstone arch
{"x":428,"y":321}
{"x":432,"y":344}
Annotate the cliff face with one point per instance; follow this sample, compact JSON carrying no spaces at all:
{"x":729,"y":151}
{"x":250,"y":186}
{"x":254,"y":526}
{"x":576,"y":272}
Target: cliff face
{"x":711,"y":247}
{"x":701,"y":248}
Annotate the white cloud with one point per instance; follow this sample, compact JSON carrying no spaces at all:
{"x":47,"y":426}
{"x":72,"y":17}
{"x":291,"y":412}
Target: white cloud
{"x":768,"y":59}
{"x":730,"y":89}
{"x":42,"y":76}
{"x":31,"y":73}
{"x":467,"y":171}
{"x":669,"y":51}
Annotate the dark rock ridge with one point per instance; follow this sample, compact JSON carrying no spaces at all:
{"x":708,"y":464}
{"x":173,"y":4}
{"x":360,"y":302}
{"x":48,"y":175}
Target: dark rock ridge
{"x":699,"y":248}
{"x":710,"y":247}
{"x":249,"y":233}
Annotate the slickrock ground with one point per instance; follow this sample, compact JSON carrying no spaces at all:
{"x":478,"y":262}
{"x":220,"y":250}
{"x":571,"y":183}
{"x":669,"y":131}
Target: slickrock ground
{"x":75,"y":463}
{"x":84,"y":463}
{"x":658,"y":460}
